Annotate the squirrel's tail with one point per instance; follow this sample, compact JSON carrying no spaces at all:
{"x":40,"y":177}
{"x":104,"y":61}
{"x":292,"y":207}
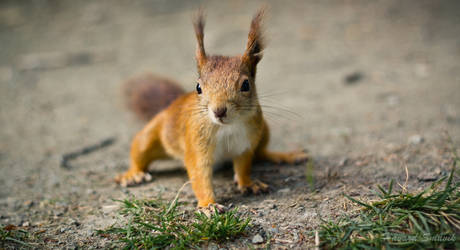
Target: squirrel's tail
{"x":148,"y":94}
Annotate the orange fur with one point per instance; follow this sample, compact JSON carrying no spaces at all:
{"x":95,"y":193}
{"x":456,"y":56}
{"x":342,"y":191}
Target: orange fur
{"x":190,"y":128}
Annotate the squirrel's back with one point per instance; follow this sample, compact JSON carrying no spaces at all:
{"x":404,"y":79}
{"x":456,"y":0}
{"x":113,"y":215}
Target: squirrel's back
{"x":148,"y":94}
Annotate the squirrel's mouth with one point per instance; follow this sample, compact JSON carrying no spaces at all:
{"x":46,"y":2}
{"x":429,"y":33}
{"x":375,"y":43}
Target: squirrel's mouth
{"x":221,"y":120}
{"x":218,"y":120}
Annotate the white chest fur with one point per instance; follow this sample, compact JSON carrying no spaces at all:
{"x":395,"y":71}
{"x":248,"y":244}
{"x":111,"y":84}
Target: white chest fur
{"x":231,"y":140}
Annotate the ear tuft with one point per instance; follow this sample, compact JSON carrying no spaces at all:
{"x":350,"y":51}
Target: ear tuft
{"x":256,"y":43}
{"x":198,"y":24}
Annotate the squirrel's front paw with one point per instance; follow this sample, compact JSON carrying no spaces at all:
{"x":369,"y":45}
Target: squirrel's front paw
{"x":212,"y":208}
{"x":256,"y":187}
{"x":131,"y":178}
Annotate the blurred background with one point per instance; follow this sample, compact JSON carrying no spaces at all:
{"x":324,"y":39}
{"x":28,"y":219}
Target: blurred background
{"x":344,"y":78}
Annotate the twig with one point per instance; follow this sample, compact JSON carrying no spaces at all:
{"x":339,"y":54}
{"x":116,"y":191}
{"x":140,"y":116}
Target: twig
{"x":84,"y":151}
{"x":404,"y":187}
{"x":284,"y":241}
{"x":177,"y":197}
{"x":316,"y":240}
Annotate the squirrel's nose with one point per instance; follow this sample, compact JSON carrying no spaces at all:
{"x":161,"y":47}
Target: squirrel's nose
{"x":220,"y":112}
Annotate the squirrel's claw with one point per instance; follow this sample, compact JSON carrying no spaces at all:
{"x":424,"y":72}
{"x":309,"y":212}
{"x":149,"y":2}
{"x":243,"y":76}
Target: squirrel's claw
{"x":131,"y":179}
{"x":256,"y":187}
{"x":211,"y":208}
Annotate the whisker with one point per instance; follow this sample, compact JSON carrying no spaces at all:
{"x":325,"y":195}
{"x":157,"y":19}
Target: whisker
{"x":282,"y":109}
{"x":273,"y":113}
{"x":270,"y":93}
{"x":283,"y":112}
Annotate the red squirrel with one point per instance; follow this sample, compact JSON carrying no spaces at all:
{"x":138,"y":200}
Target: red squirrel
{"x":221,"y":120}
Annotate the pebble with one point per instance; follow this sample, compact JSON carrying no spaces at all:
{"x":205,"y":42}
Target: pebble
{"x":343,"y":162}
{"x":353,"y":78}
{"x":284,"y":190}
{"x":257,"y":239}
{"x":213,"y":246}
{"x":416,"y":139}
{"x":273,"y":230}
{"x":108,"y":209}
{"x":28,"y":204}
{"x":429,"y":176}
{"x":309,"y":215}
{"x":91,"y":191}
{"x":74,"y":222}
{"x":89,"y":232}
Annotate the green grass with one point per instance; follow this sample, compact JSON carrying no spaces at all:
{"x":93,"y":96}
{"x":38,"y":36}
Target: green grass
{"x":157,"y":224}
{"x":428,"y":219}
{"x":12,"y":236}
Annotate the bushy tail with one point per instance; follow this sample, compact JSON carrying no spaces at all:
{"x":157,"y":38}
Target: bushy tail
{"x":148,"y":94}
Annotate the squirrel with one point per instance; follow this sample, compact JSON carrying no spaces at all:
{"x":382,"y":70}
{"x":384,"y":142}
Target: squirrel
{"x":147,"y":94}
{"x":221,"y":120}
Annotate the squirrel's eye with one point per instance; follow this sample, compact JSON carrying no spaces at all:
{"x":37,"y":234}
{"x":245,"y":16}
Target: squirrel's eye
{"x":245,"y":86}
{"x":198,"y":88}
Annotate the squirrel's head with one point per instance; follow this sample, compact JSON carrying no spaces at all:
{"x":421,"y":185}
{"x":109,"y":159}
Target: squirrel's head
{"x":226,"y":85}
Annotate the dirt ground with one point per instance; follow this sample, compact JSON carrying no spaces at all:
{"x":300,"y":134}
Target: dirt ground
{"x":368,"y":87}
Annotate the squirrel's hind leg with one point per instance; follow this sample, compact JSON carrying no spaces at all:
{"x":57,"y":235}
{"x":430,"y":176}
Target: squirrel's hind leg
{"x":263,"y":154}
{"x":145,"y":148}
{"x":294,"y":157}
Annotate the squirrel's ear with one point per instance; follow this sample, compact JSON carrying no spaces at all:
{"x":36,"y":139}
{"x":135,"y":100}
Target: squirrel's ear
{"x":256,"y":43}
{"x":198,"y":24}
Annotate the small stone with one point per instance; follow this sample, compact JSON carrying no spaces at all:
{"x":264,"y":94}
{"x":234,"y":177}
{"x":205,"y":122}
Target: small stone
{"x":91,"y":191}
{"x":353,"y":78}
{"x":429,"y":176}
{"x":26,"y":224}
{"x":213,"y":246}
{"x":416,"y":139}
{"x":28,"y":204}
{"x":89,"y":232}
{"x":74,"y":222}
{"x":310,"y":215}
{"x":273,"y":230}
{"x":257,"y":239}
{"x":108,"y":209}
{"x":300,"y":209}
{"x":343,"y":162}
{"x":295,"y":236}
{"x":284,"y":190}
